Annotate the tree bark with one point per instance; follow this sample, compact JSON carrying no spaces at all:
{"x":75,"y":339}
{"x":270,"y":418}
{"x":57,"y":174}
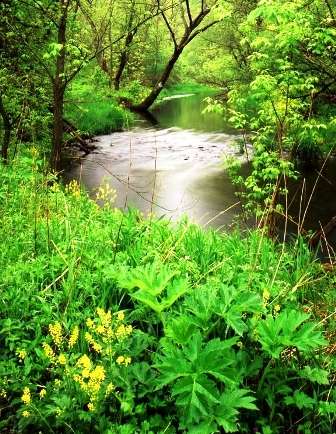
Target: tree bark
{"x":150,"y":99}
{"x":7,"y":132}
{"x":123,"y":60}
{"x":190,"y":33}
{"x":58,"y":91}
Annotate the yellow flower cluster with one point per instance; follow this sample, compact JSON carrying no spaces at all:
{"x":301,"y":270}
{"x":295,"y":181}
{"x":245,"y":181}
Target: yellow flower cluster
{"x":55,"y":331}
{"x":48,"y":351}
{"x":123,"y":331}
{"x":74,"y":337}
{"x":266,"y":295}
{"x":105,"y":317}
{"x":106,"y":193}
{"x":26,"y":397}
{"x":3,"y":393}
{"x":120,"y":316}
{"x":62,"y":360}
{"x":55,"y":188}
{"x":22,"y":354}
{"x":109,"y":389}
{"x":25,"y":413}
{"x":73,"y":188}
{"x":89,"y":339}
{"x":104,"y":334}
{"x":91,"y":378}
{"x":121,"y":360}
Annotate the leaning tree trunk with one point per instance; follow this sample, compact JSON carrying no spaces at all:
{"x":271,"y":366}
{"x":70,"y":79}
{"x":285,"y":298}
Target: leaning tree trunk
{"x":150,"y":99}
{"x":58,"y":92}
{"x":123,"y":60}
{"x":190,"y":33}
{"x":7,"y":132}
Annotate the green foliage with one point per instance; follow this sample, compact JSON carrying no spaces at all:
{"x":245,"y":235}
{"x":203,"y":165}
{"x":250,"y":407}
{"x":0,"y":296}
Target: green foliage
{"x":92,"y":110}
{"x":220,"y":339}
{"x":286,"y":330}
{"x":193,"y":372}
{"x":156,"y":287}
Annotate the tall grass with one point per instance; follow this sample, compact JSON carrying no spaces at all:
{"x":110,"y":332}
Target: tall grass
{"x":62,"y":257}
{"x":94,"y":110}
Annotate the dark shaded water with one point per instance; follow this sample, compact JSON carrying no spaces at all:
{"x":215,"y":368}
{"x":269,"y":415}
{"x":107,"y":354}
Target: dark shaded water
{"x":172,"y":165}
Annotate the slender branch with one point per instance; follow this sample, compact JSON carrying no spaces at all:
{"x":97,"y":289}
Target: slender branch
{"x":188,"y":12}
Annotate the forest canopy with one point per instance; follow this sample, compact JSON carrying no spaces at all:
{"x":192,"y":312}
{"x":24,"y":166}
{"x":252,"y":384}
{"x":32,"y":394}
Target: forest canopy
{"x":275,"y":60}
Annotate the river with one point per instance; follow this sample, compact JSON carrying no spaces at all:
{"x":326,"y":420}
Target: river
{"x":172,"y":165}
{"x":169,"y":165}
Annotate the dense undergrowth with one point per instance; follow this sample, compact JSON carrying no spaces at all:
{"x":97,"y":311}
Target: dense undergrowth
{"x":116,"y":323}
{"x":92,"y":109}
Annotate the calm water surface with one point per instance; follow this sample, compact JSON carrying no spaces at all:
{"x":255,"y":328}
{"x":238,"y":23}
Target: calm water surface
{"x":172,"y":165}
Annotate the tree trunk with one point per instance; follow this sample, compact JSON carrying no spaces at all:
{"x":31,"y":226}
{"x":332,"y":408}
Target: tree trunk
{"x":57,"y":139}
{"x":7,"y":132}
{"x":123,"y":61}
{"x":190,"y":33}
{"x":58,"y":91}
{"x":150,"y":99}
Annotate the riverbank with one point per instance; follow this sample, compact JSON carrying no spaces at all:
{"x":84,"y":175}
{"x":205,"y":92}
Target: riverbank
{"x":95,"y":110}
{"x":117,"y":321}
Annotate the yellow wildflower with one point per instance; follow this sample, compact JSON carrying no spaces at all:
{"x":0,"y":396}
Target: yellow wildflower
{"x":97,"y":347}
{"x":127,"y":361}
{"x":25,"y":413}
{"x":84,"y":362}
{"x":26,"y":398}
{"x":109,"y":389}
{"x":120,"y":316}
{"x":55,"y":331}
{"x":57,"y":382}
{"x":74,"y":336}
{"x":90,"y":406}
{"x":90,"y":323}
{"x":123,"y":331}
{"x":42,"y":393}
{"x":86,"y":373}
{"x":105,"y":317}
{"x":78,"y":379}
{"x":22,"y":354}
{"x":48,"y":351}
{"x":120,"y":360}
{"x":3,"y":393}
{"x":58,"y":411}
{"x":62,"y":359}
{"x":73,"y":188}
{"x":277,"y":307}
{"x":88,"y":337}
{"x":266,"y":295}
{"x":100,"y":329}
{"x":98,"y":374}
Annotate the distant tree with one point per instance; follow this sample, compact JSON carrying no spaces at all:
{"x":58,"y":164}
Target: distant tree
{"x":191,"y":17}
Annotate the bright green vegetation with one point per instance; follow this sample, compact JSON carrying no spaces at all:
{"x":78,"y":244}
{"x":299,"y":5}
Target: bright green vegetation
{"x":93,"y":111}
{"x":111,"y":322}
{"x":117,"y":323}
{"x":275,"y":60}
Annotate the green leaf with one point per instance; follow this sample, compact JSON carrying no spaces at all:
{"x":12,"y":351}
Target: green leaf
{"x":300,"y":400}
{"x":287,"y":330}
{"x":315,"y":375}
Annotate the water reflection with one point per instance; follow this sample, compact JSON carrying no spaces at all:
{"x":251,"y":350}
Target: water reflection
{"x":174,"y":167}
